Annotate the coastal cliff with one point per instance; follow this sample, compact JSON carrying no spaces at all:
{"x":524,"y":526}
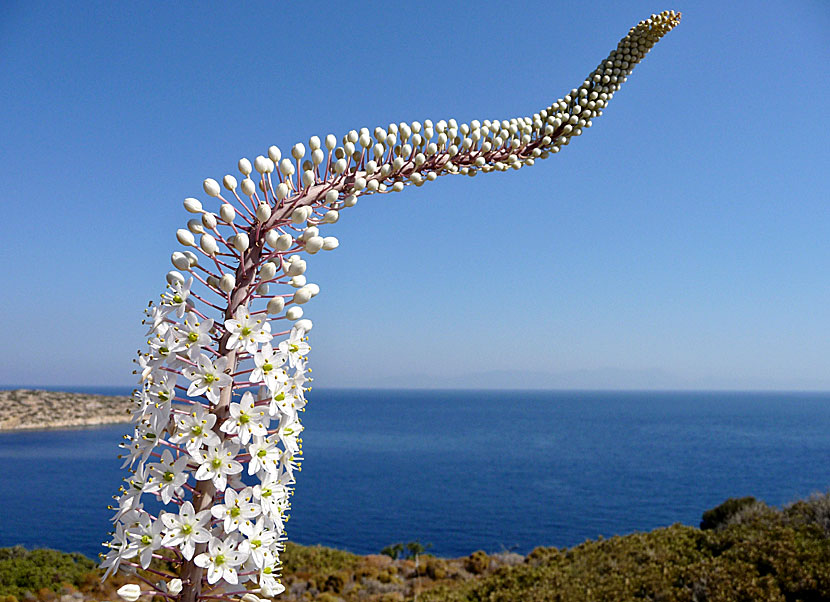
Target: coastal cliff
{"x":27,"y":409}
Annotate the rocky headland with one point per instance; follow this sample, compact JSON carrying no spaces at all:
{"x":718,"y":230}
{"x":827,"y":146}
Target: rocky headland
{"x":31,"y":409}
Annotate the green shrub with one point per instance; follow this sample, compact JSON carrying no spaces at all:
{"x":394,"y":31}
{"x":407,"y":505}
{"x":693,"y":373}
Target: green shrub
{"x":720,"y":515}
{"x":39,"y":571}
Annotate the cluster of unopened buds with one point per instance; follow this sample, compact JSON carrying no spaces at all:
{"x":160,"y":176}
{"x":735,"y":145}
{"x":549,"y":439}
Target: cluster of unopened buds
{"x":216,"y":439}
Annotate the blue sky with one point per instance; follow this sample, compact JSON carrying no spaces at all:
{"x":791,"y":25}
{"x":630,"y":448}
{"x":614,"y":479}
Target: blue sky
{"x":682,"y":242}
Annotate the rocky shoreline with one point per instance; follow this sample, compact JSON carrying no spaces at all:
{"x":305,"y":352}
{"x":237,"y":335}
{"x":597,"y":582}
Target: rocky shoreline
{"x":32,"y":409}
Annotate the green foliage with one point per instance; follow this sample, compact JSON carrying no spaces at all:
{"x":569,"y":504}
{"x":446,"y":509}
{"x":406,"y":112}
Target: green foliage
{"x":33,"y":571}
{"x":761,"y":555}
{"x":408,"y":550}
{"x":720,"y":515}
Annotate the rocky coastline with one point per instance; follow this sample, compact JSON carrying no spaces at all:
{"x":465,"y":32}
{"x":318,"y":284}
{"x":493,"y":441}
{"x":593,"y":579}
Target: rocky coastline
{"x":34,"y":409}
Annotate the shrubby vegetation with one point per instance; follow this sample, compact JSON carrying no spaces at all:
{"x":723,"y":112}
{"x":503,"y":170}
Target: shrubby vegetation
{"x":745,"y":551}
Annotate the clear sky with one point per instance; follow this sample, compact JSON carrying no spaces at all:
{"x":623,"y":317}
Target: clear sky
{"x":681,"y":242}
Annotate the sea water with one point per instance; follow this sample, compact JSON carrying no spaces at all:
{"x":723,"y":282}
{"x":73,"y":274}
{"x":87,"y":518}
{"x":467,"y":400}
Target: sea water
{"x":466,"y":470}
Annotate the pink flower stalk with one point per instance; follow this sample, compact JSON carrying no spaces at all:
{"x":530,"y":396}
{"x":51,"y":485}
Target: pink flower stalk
{"x":217,"y":426}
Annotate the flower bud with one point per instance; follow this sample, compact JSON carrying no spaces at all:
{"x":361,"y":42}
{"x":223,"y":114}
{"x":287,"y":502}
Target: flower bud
{"x":244,"y":166}
{"x":192,"y":205}
{"x":340,"y":166}
{"x":308,"y":178}
{"x":274,"y":153}
{"x":314,"y":244}
{"x":295,"y":268}
{"x":227,"y":282}
{"x":229,"y":182}
{"x":298,"y":216}
{"x":208,"y":244}
{"x":227,"y":213}
{"x":286,"y":167}
{"x":271,"y":238}
{"x":304,"y":325}
{"x":297,"y":281}
{"x":173,"y":277}
{"x":313,"y":289}
{"x":180,"y":260}
{"x":241,"y":242}
{"x":213,"y":281}
{"x":185,"y":237}
{"x":298,"y":150}
{"x":351,"y":200}
{"x":330,"y":243}
{"x":129,"y":592}
{"x":195,"y":226}
{"x":331,"y":142}
{"x":248,"y":187}
{"x":397,"y":186}
{"x":192,"y":259}
{"x":211,"y":187}
{"x":250,"y":598}
{"x":294,"y":313}
{"x":276,"y":305}
{"x":174,"y":587}
{"x":284,"y":242}
{"x":261,"y":164}
{"x":263,"y":212}
{"x":302,"y":295}
{"x":209,"y":220}
{"x":331,"y":217}
{"x":268,"y":270}
{"x":262,"y":289}
{"x":309,"y":232}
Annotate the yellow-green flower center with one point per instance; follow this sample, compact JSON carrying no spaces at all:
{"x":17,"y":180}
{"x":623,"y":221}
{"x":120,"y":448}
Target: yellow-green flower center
{"x":209,"y":378}
{"x":168,"y":476}
{"x":235,"y":511}
{"x":245,"y":331}
{"x":216,"y":462}
{"x":146,"y":540}
{"x":261,"y":453}
{"x":187,"y":529}
{"x":293,"y":348}
{"x":196,"y":430}
{"x":193,"y":337}
{"x":244,"y":419}
{"x":220,"y":559}
{"x":177,"y":298}
{"x":267,"y":367}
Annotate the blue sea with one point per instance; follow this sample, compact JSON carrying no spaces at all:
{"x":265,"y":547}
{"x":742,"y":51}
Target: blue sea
{"x":467,"y":470}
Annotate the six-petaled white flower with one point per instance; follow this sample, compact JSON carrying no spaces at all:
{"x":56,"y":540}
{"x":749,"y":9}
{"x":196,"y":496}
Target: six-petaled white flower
{"x":195,"y":429}
{"x":221,"y":559}
{"x":237,"y":509}
{"x":247,"y":331}
{"x":207,"y":377}
{"x":217,"y":463}
{"x":185,"y":529}
{"x":246,"y":419}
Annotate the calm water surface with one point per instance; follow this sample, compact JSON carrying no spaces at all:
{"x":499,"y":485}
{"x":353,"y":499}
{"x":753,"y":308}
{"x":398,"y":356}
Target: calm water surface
{"x":467,"y":470}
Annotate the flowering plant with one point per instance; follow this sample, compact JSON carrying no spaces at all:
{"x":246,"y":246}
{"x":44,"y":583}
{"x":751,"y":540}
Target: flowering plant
{"x":216,"y":440}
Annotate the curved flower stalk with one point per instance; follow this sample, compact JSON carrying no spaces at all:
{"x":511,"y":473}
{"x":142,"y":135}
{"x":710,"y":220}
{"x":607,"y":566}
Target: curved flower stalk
{"x":216,"y":441}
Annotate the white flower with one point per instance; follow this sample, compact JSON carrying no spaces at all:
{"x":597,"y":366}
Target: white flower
{"x":129,"y":592}
{"x":217,"y":462}
{"x":221,"y":560}
{"x":268,"y":361}
{"x":273,"y":496}
{"x":265,"y":456}
{"x":169,"y":476}
{"x":246,"y":331}
{"x":208,"y":377}
{"x":116,"y":551}
{"x":186,"y":529}
{"x":295,"y":348}
{"x":195,"y":429}
{"x":165,"y":347}
{"x":236,"y":510}
{"x":176,"y":299}
{"x":156,"y":319}
{"x":261,"y":536}
{"x":289,"y":431}
{"x":194,"y":331}
{"x":246,"y":420}
{"x":145,"y":538}
{"x":269,"y":586}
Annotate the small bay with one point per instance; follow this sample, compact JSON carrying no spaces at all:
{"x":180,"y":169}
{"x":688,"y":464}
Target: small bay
{"x":467,"y":470}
